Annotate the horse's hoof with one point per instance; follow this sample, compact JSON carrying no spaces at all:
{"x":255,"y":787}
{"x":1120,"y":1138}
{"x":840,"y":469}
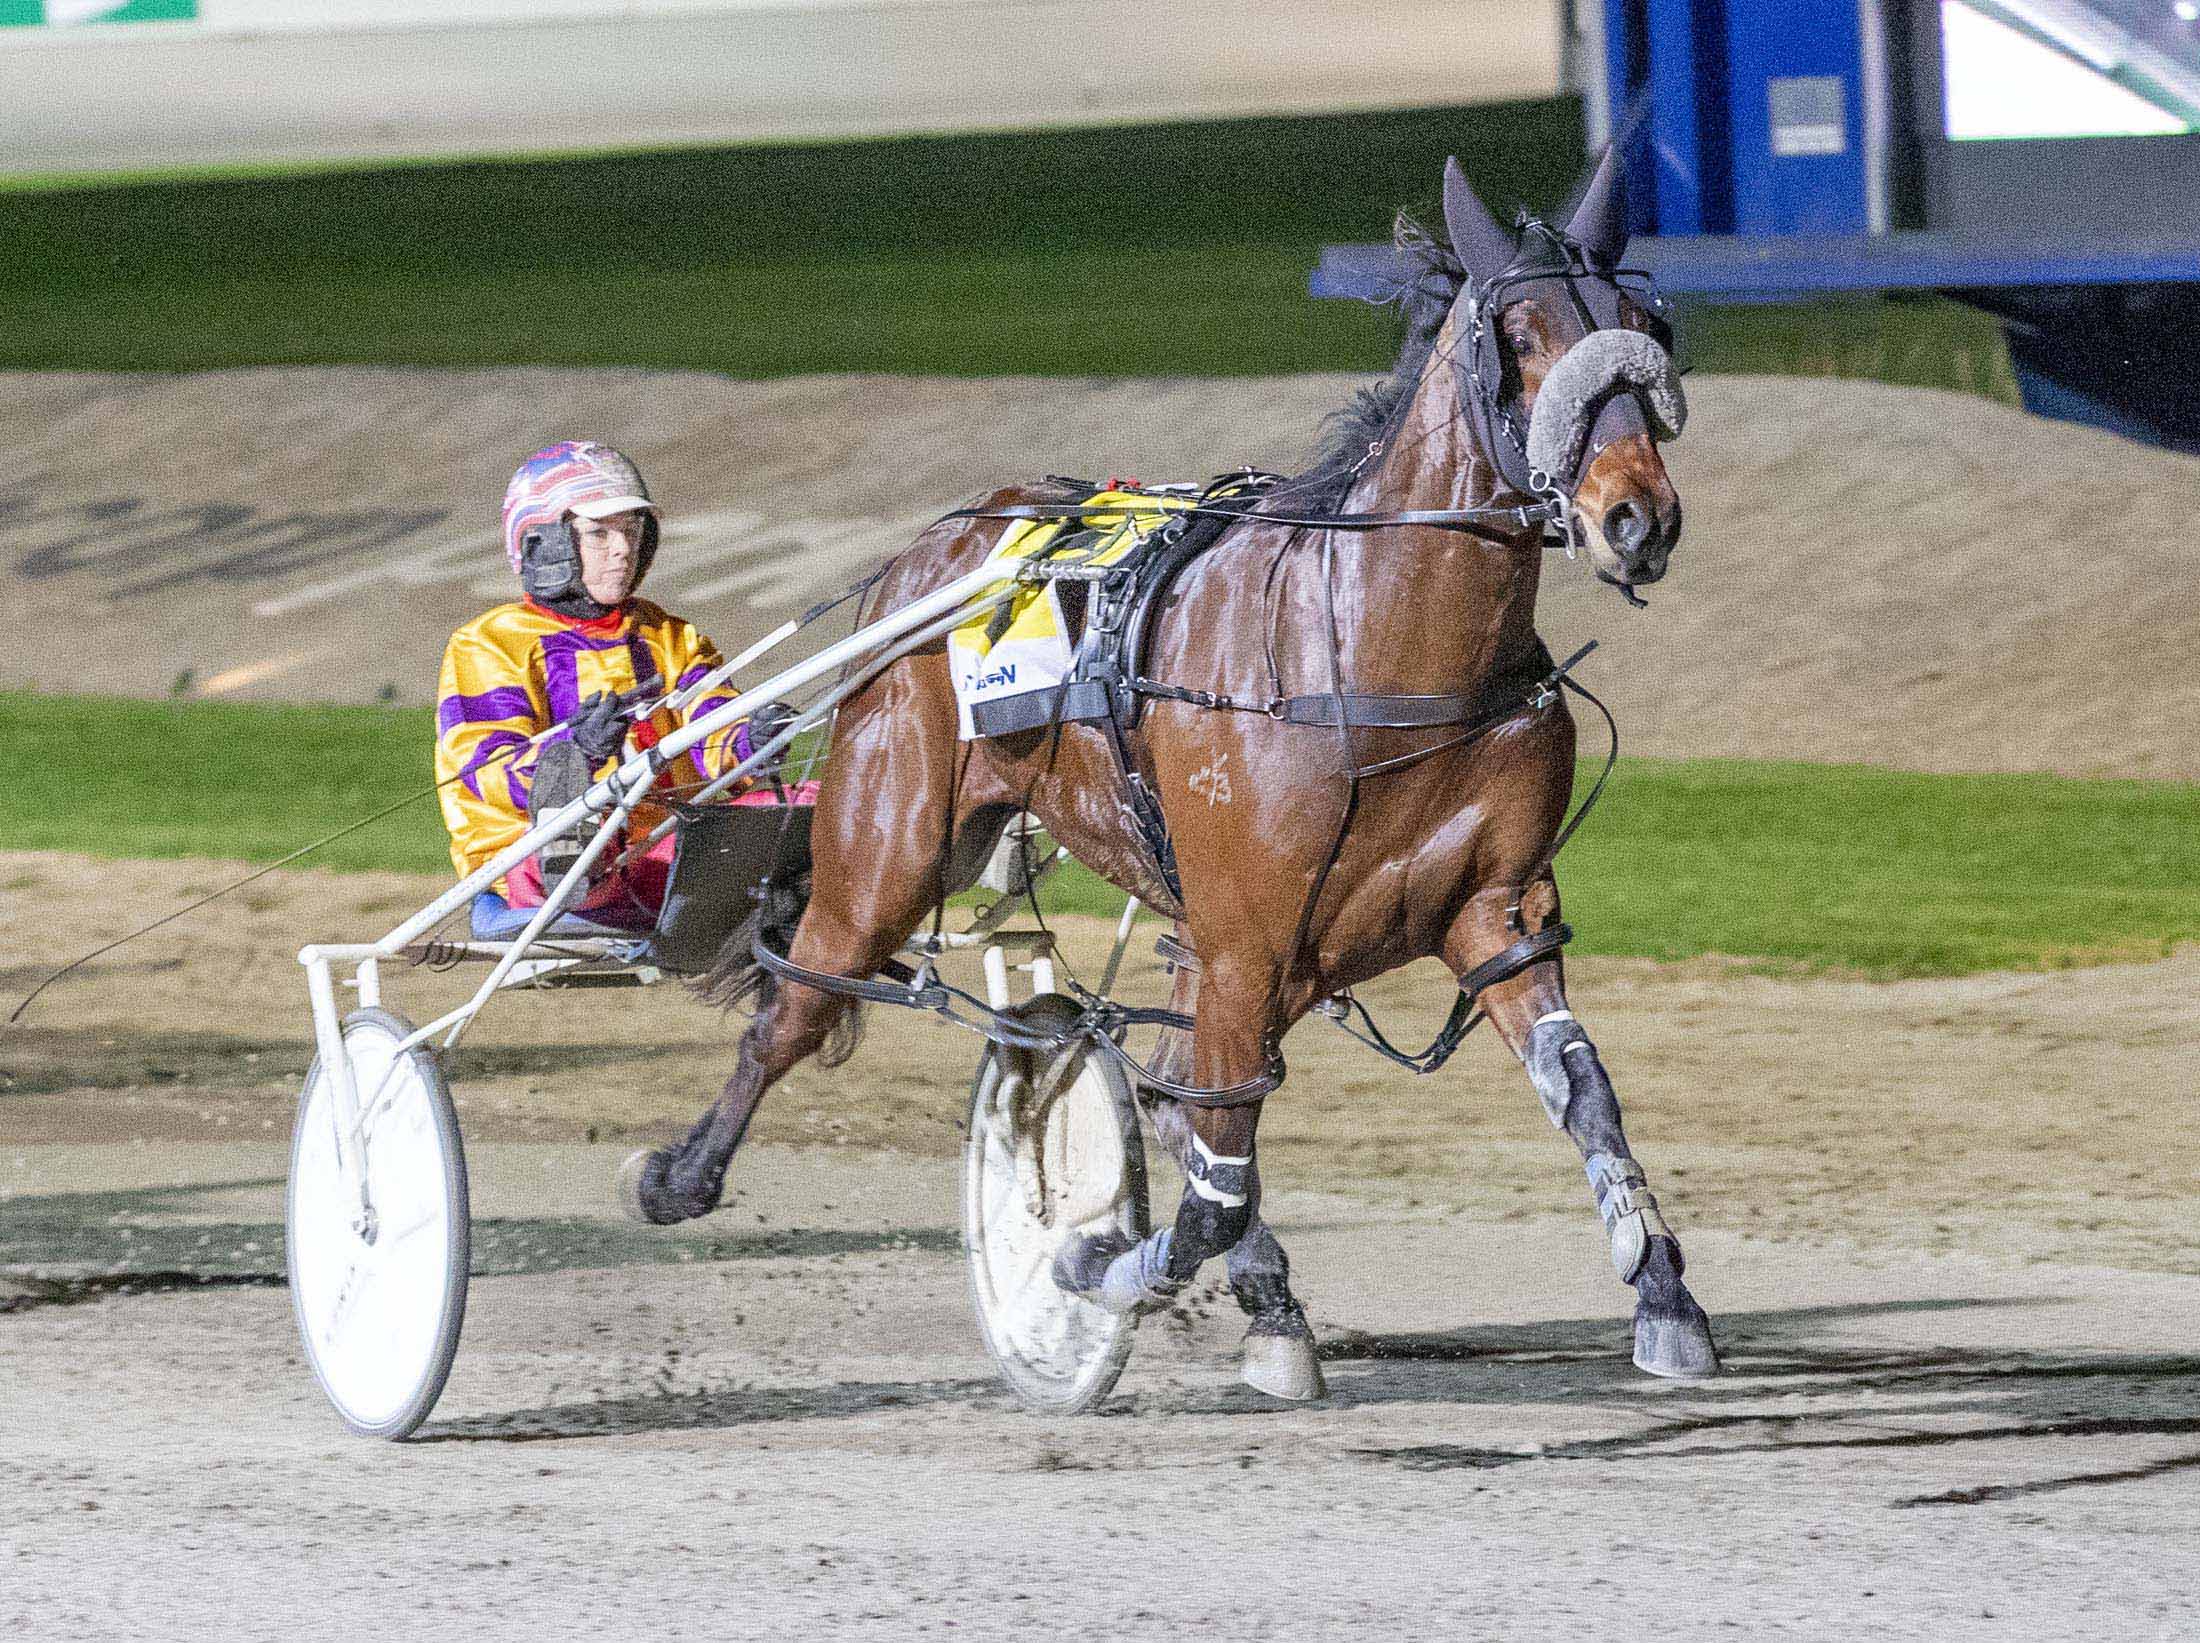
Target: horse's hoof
{"x":1676,"y":1345}
{"x":648,"y":1194}
{"x":1284,"y":1366}
{"x":637,"y":1188}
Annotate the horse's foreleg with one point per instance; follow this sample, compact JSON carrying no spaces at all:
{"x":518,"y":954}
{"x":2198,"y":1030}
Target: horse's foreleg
{"x":1219,"y":1212}
{"x":1214,"y":1213}
{"x":1672,"y":1335}
{"x":1279,"y":1354}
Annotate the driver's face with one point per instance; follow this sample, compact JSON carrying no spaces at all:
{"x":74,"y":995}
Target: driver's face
{"x":611,"y":555}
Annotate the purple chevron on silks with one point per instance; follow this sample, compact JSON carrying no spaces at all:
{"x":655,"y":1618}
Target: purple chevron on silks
{"x":639,"y":658}
{"x":561,"y":668}
{"x":504,"y":702}
{"x":491,"y":745}
{"x":711,"y":704}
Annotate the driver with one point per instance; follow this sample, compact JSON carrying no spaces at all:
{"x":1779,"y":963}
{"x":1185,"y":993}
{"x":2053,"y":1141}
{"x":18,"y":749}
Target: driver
{"x":582,"y":653}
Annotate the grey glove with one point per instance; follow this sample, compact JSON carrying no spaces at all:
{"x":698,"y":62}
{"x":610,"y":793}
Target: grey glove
{"x":599,"y":728}
{"x":764,"y":725}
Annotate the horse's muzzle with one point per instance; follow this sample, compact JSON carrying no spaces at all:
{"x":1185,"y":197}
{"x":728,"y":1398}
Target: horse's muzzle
{"x":1640,"y":539}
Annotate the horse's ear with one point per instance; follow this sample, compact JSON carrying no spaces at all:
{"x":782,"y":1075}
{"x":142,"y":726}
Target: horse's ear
{"x":1598,"y":222}
{"x":1482,"y":247}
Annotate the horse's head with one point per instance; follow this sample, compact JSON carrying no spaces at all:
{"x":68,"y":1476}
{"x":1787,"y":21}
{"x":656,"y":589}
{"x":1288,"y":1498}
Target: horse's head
{"x":1566,"y":371}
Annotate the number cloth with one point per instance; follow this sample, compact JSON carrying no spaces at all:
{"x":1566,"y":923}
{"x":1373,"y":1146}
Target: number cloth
{"x":990,"y":659}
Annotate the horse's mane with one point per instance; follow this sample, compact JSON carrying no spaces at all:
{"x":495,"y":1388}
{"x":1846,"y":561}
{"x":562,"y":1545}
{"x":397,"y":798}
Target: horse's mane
{"x":1430,"y":277}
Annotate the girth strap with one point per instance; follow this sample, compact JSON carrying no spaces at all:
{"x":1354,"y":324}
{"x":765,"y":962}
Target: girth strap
{"x":1384,"y":712}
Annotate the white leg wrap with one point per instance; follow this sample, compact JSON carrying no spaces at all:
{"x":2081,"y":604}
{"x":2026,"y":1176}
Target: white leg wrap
{"x":1215,"y":1176}
{"x":1552,"y":1042}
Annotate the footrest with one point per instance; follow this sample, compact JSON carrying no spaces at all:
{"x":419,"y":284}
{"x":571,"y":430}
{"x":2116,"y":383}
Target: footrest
{"x":495,"y":919}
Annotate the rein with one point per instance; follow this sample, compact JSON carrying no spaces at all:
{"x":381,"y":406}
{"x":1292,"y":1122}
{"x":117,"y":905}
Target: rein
{"x":1524,"y":516}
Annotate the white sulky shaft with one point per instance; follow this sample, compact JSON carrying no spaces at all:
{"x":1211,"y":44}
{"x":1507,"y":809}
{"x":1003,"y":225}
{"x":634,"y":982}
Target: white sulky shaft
{"x":679,"y":699}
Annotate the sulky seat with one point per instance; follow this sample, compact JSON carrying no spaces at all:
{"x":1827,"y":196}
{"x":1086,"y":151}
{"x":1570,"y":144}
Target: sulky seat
{"x":725,"y":853}
{"x":722,"y":855}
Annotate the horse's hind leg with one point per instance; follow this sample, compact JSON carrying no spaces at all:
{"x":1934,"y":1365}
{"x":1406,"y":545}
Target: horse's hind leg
{"x":681,"y":1182}
{"x":1672,"y":1335}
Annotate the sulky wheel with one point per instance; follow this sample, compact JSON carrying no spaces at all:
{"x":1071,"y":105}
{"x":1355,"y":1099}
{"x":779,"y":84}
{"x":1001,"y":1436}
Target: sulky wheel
{"x":1053,"y":1152}
{"x":380,"y":1304}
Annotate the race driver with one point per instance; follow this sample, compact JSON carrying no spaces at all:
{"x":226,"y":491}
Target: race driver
{"x":579,"y":652}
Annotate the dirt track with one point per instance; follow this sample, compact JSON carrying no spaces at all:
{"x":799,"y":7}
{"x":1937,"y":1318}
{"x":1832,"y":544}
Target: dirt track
{"x":1944,"y":1228}
{"x":760,"y":1445}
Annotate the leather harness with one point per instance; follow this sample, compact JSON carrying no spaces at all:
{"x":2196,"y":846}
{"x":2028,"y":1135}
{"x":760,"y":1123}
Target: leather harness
{"x":1108,"y":685}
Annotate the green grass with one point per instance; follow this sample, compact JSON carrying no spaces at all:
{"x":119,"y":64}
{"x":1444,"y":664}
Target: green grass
{"x":115,"y":777}
{"x":1887,"y":873}
{"x":1180,"y":248}
{"x":1915,"y":340}
{"x":1124,"y":250}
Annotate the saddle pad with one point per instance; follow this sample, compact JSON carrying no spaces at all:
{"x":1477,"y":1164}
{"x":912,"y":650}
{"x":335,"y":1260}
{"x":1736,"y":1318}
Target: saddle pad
{"x":992,"y":663}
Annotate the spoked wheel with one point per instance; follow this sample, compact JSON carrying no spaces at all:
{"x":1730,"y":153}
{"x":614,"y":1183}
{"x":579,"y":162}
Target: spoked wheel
{"x":1053,"y":1152}
{"x":380,"y":1305}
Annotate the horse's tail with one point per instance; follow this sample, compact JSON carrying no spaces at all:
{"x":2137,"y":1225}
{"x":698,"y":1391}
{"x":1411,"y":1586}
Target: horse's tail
{"x":735,"y":979}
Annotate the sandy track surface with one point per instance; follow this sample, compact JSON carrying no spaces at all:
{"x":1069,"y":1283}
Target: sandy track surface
{"x":794,"y":1433}
{"x":1944,"y":1228}
{"x":1880,"y":574}
{"x":2012,"y":1112}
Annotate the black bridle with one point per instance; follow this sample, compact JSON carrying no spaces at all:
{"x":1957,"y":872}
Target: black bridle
{"x":1548,"y":255}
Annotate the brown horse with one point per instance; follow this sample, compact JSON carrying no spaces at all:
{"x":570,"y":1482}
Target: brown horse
{"x":1303,"y":870}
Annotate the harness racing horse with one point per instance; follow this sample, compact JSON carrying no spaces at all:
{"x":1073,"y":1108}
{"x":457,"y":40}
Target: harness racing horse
{"x":1314,"y":849}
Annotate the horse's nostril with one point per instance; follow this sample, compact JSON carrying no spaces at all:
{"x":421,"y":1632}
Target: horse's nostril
{"x":1626,"y":526}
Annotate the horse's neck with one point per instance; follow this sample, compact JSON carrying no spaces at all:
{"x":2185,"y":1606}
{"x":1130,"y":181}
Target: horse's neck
{"x":1466,"y":600}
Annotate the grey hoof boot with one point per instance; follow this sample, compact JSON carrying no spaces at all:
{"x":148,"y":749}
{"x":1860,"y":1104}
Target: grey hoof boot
{"x":1283,"y":1366}
{"x":1081,"y":1264}
{"x":1675,"y":1343}
{"x":1137,"y":1281}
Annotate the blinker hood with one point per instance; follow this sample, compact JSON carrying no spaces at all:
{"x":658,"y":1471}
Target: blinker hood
{"x":1613,"y":381}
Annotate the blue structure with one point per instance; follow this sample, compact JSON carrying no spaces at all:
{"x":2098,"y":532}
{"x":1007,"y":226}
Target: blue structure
{"x":1789,"y":148}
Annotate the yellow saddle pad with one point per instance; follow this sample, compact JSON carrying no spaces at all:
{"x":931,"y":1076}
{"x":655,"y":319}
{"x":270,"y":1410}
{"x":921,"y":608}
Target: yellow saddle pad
{"x":1032,"y":652}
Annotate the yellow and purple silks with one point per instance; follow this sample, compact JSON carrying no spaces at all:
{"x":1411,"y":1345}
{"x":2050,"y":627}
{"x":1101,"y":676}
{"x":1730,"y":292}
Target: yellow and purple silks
{"x":515,"y":671}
